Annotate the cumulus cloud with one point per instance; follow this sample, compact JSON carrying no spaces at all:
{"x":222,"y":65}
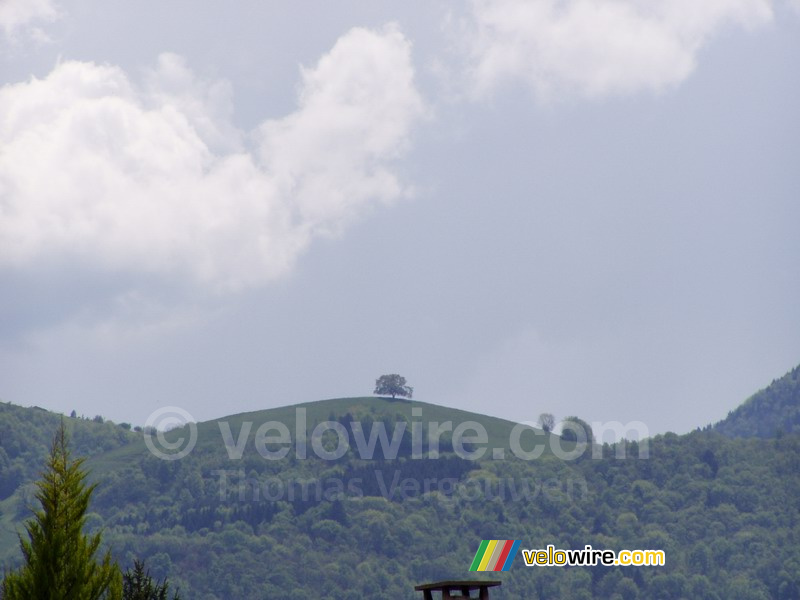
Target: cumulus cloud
{"x":596,"y":47}
{"x":18,"y":15}
{"x":152,"y":177}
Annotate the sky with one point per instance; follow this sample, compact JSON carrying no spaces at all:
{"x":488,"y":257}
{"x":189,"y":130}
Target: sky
{"x":582,"y":207}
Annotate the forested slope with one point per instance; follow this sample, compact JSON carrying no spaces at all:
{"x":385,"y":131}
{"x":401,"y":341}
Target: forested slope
{"x":726,"y":511}
{"x":772,"y":411}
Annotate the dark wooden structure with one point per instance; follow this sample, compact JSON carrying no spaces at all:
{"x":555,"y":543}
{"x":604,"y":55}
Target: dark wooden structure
{"x":457,"y":589}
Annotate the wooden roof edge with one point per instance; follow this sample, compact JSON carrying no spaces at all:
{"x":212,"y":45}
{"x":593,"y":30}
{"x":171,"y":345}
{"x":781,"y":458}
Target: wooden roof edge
{"x":472,"y":585}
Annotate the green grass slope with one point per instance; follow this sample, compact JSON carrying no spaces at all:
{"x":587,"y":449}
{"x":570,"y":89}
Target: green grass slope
{"x":368,"y":410}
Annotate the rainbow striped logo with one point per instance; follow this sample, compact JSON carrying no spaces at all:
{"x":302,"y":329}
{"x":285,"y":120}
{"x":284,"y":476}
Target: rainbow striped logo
{"x":495,"y":555}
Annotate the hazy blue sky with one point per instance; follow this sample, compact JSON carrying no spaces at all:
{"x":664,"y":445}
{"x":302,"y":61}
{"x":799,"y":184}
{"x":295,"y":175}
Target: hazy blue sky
{"x":585,"y":207}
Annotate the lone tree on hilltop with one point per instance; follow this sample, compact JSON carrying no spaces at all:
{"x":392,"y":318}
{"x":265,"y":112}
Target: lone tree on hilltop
{"x":547,"y":421}
{"x":393,"y":385}
{"x":60,"y":561}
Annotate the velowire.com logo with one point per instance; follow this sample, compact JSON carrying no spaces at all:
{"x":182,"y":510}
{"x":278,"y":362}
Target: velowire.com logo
{"x":498,"y":555}
{"x":495,"y":555}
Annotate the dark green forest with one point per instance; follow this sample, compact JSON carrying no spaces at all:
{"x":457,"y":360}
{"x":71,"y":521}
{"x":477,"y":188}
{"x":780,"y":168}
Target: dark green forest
{"x":722,"y":501}
{"x":770,"y":412}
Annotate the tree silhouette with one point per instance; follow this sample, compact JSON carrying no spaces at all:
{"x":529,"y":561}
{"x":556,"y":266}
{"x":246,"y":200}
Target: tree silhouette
{"x":138,"y":585}
{"x":547,"y":421}
{"x":60,"y":560}
{"x":393,"y":385}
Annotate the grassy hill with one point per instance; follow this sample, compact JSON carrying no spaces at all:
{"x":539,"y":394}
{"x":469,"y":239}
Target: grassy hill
{"x":116,"y":455}
{"x":724,"y":510}
{"x":363,"y":409}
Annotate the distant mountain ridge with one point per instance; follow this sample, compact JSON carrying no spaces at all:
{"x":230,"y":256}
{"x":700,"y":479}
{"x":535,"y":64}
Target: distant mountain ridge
{"x":775,"y":410}
{"x":231,"y":520}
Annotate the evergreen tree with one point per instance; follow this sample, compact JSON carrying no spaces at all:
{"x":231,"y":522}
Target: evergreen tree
{"x":60,"y":561}
{"x":138,"y":585}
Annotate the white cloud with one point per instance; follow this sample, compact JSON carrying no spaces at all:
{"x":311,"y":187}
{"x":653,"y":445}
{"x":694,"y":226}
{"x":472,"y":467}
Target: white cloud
{"x":16,"y":15}
{"x":596,"y":47}
{"x":153,"y":178}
